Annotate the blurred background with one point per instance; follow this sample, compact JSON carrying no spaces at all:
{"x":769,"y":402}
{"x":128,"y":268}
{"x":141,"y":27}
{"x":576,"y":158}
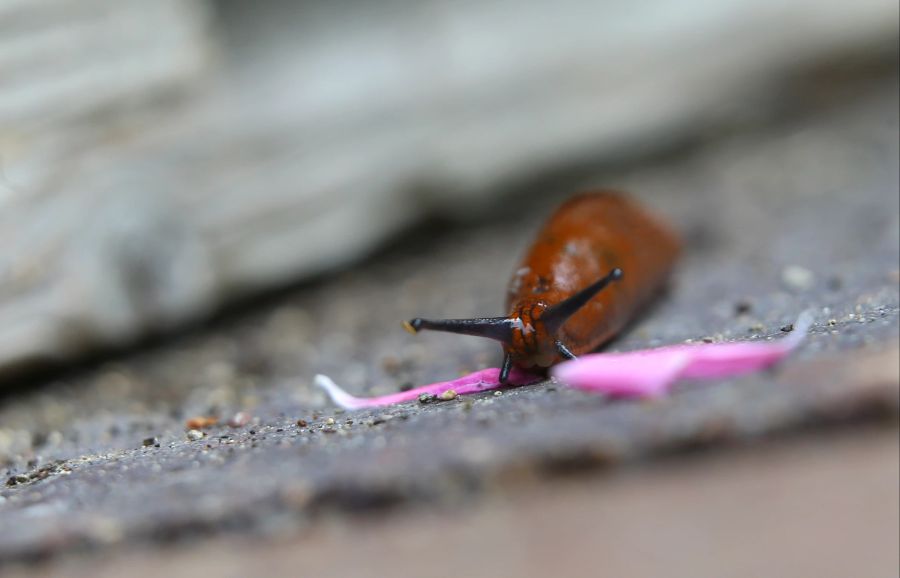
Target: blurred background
{"x":159,"y":161}
{"x":204,"y":203}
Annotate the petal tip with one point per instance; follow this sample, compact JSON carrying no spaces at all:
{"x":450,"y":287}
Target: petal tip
{"x":335,"y":392}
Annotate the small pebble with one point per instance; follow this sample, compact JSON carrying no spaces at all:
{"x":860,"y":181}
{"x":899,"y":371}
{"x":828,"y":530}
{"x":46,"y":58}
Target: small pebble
{"x":149,"y":442}
{"x":329,"y":421}
{"x":707,"y":340}
{"x":239,"y":419}
{"x":201,"y":422}
{"x":797,"y":278}
{"x":302,"y":423}
{"x":447,"y":395}
{"x":379,"y":419}
{"x":194,"y":435}
{"x":15,"y":480}
{"x":832,"y":322}
{"x":788,"y":328}
{"x":498,"y":393}
{"x":743,"y":307}
{"x":391,"y":364}
{"x":427,"y":398}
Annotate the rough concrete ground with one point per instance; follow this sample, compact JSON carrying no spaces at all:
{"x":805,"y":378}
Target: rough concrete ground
{"x":685,"y":517}
{"x":800,"y":215}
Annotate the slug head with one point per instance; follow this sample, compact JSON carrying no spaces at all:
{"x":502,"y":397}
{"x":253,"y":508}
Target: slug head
{"x":529,"y":334}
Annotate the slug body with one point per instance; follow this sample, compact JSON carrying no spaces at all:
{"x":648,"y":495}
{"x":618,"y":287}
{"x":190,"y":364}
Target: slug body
{"x":598,"y":259}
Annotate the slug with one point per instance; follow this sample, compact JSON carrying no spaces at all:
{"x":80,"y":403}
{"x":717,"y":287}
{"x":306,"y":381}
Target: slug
{"x":596,"y":262}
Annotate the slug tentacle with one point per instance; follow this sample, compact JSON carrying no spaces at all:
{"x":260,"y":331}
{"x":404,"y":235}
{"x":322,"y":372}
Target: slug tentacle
{"x":556,"y":315}
{"x":505,"y":369}
{"x":497,"y":328}
{"x":564,"y":351}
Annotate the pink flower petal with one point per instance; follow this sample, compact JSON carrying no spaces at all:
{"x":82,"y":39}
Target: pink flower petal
{"x":483,"y":380}
{"x":645,"y":373}
{"x":651,"y":372}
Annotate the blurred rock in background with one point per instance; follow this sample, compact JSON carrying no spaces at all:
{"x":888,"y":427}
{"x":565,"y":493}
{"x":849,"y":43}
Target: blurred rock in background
{"x":162,"y":158}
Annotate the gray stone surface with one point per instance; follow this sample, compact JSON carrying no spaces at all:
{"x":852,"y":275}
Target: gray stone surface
{"x":802,"y":214}
{"x":64,"y":60}
{"x":746,"y":513}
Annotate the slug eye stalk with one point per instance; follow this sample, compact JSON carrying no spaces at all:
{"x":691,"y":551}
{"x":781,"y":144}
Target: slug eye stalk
{"x":496,"y":328}
{"x":556,"y":315}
